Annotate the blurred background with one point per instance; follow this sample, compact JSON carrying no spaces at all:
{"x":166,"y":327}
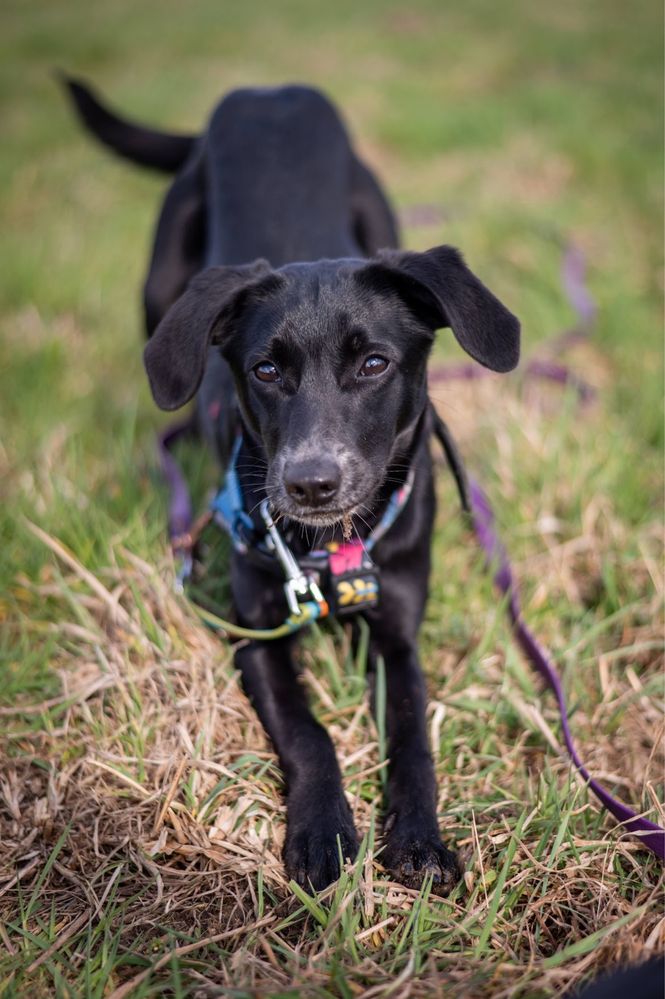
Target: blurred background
{"x":516,"y":127}
{"x":519,"y":123}
{"x":507,"y":129}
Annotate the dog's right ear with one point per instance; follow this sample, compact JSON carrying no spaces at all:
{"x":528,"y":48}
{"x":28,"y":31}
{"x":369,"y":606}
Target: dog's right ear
{"x":205,"y":313}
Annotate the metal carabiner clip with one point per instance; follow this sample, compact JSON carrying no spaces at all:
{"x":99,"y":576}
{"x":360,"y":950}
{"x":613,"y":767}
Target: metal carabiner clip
{"x":298,"y":583}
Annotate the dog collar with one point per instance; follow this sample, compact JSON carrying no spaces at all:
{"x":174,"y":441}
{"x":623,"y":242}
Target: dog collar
{"x":341,"y":576}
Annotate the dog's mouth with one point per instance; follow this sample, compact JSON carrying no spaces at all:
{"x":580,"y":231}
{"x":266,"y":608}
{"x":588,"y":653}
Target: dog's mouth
{"x":327,"y":517}
{"x":321,"y":518}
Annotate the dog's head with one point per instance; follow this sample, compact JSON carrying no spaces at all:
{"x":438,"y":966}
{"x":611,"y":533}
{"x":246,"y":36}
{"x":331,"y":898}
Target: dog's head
{"x":330,"y":362}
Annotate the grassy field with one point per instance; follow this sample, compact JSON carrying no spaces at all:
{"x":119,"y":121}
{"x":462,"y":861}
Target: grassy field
{"x":140,"y":811}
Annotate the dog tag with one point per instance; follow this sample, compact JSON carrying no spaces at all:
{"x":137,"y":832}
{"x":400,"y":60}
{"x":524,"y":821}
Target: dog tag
{"x":354,"y":579}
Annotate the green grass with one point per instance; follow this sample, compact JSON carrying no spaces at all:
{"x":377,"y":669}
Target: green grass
{"x":528,"y":126}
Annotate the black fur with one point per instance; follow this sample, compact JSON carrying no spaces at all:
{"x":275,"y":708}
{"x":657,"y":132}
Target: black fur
{"x":322,"y":353}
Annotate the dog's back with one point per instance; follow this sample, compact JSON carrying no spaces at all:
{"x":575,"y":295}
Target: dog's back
{"x":279,"y":174}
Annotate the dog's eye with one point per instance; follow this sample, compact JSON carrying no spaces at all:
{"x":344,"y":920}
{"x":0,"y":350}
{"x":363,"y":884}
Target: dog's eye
{"x":374,"y":365}
{"x":267,"y":372}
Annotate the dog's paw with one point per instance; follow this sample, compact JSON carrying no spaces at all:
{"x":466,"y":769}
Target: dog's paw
{"x":312,"y":847}
{"x":411,"y":858}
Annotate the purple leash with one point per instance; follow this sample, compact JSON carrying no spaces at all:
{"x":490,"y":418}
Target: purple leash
{"x":541,"y":368}
{"x":180,"y":512}
{"x":651,"y":835}
{"x":180,"y":503}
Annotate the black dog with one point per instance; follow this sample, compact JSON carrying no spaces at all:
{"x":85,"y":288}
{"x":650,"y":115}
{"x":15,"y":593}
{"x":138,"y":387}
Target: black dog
{"x":260,"y":292}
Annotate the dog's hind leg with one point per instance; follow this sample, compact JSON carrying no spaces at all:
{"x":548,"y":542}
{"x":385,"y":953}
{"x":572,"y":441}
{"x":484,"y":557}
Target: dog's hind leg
{"x":179,"y":242}
{"x":374,"y":225}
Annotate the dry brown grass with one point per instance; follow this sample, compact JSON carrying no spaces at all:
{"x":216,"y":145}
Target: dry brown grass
{"x":139,"y":804}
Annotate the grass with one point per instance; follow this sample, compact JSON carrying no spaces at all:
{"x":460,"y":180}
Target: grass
{"x":140,"y":809}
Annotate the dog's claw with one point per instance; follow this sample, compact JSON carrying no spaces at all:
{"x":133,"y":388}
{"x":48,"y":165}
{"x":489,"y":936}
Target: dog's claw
{"x":411,"y":860}
{"x":312,"y":848}
{"x":317,"y":863}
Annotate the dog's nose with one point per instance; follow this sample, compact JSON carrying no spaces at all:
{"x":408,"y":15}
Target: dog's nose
{"x":312,"y":482}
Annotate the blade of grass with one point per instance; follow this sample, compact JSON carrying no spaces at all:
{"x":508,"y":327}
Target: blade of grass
{"x":498,"y":887}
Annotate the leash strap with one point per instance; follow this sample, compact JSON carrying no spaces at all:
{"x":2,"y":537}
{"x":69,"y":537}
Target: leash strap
{"x":573,"y":274}
{"x":651,"y":835}
{"x":180,"y":513}
{"x":308,"y":613}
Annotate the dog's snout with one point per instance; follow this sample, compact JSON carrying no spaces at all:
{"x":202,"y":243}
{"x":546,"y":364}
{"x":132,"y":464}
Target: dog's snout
{"x":312,"y":482}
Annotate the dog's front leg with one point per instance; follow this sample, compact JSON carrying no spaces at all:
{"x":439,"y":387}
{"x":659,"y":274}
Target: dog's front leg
{"x":317,"y":810}
{"x":412,"y":844}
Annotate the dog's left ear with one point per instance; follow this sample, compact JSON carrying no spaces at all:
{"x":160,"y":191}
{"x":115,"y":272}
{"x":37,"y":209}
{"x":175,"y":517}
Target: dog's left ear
{"x":441,"y":291}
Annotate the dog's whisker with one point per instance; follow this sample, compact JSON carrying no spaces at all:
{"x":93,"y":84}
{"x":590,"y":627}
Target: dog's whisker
{"x":258,"y":504}
{"x":363,"y":522}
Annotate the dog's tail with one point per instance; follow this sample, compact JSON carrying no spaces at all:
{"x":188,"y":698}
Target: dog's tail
{"x":146,"y":146}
